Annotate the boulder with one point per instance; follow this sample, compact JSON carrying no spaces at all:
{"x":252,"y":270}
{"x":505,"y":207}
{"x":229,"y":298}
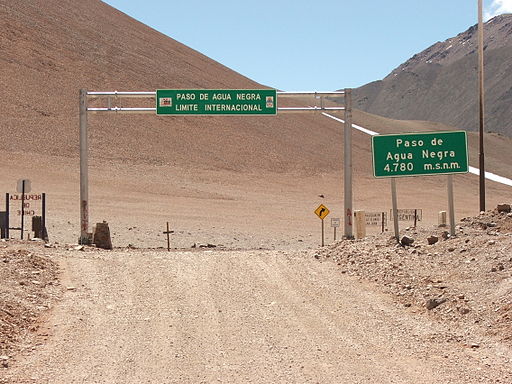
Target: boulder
{"x":504,"y":208}
{"x":434,"y":302}
{"x":406,"y":241}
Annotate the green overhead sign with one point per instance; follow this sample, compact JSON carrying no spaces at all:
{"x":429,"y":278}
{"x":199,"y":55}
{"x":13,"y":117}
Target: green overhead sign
{"x":415,"y":154}
{"x":216,"y":102}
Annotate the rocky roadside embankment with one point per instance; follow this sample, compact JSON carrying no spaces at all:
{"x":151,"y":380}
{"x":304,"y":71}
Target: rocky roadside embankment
{"x":29,"y":287}
{"x":464,"y":280}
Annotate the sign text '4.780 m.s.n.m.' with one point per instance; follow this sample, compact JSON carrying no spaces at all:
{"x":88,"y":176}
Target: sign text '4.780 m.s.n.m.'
{"x":417,"y":154}
{"x":216,"y":102}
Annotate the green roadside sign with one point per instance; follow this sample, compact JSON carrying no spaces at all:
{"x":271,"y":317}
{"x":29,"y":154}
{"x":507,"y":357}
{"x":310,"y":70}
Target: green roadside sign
{"x":216,"y":102}
{"x":415,"y":154}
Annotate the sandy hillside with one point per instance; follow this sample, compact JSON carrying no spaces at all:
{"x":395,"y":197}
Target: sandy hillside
{"x":236,"y":181}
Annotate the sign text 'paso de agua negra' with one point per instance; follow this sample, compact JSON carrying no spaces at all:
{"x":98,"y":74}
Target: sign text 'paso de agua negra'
{"x":414,"y":154}
{"x":216,"y":102}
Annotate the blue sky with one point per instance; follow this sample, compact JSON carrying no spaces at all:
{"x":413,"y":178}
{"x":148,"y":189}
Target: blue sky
{"x":310,"y":45}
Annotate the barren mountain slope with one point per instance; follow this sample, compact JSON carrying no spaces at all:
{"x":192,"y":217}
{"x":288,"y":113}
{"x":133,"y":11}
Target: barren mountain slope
{"x":48,"y":56}
{"x":440,"y":83}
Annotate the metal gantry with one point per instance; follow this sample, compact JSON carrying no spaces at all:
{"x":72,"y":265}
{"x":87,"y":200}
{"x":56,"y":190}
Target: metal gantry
{"x":111,"y":98}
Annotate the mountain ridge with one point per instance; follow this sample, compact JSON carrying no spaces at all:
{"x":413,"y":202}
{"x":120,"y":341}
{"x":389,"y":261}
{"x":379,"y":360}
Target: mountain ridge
{"x":47,"y":57}
{"x":440,"y":83}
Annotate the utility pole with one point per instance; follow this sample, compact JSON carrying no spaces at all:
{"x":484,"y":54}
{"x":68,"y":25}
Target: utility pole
{"x":347,"y":172}
{"x":481,"y":103}
{"x":84,"y":172}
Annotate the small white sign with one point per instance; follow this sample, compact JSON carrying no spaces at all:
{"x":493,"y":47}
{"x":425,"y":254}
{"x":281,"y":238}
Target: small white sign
{"x":19,"y":186}
{"x":335,"y":222}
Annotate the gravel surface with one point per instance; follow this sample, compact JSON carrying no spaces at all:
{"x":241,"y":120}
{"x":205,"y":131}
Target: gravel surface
{"x":465,"y":281}
{"x":29,"y":288}
{"x":133,"y":316}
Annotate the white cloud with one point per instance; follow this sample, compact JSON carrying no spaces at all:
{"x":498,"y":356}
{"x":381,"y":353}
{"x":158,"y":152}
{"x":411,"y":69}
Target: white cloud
{"x":498,"y":7}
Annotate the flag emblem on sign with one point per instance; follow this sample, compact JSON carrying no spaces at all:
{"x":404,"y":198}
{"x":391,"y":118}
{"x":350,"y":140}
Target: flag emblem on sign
{"x":166,"y":101}
{"x":270,"y":101}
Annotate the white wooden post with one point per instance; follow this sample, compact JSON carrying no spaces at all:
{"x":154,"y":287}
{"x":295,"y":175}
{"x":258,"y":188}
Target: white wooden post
{"x":395,"y":208}
{"x":451,"y":206}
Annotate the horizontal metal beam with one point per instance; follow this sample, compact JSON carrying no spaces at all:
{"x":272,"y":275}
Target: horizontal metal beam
{"x":92,"y":95}
{"x":310,"y":93}
{"x":123,"y":109}
{"x":153,"y":93}
{"x":153,"y":110}
{"x":310,"y":109}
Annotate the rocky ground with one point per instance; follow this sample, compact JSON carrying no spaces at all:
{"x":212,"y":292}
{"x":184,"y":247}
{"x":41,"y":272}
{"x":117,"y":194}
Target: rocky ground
{"x":29,"y":288}
{"x":446,"y":303}
{"x":465,"y":280}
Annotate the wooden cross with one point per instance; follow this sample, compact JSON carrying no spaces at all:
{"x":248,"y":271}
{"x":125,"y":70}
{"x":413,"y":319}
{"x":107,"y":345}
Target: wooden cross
{"x":168,"y":239}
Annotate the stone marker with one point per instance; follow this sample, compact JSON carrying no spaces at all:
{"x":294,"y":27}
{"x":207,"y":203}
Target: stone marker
{"x":360,"y":224}
{"x":442,"y":219}
{"x":101,"y":236}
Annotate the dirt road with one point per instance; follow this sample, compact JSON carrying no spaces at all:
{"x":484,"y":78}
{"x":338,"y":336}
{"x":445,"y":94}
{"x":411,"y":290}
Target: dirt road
{"x":238,"y":316}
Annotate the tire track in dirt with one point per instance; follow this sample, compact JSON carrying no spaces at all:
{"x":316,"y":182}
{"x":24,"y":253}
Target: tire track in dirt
{"x":235,"y":316}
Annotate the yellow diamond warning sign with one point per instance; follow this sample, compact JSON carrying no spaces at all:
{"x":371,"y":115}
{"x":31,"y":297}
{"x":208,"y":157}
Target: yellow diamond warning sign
{"x":322,"y":211}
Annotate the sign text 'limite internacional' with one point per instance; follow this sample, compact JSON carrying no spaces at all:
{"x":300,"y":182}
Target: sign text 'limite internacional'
{"x":216,"y":102}
{"x":414,"y":154}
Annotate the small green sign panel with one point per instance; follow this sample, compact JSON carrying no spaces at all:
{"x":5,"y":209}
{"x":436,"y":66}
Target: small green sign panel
{"x":415,"y":154}
{"x":216,"y":102}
